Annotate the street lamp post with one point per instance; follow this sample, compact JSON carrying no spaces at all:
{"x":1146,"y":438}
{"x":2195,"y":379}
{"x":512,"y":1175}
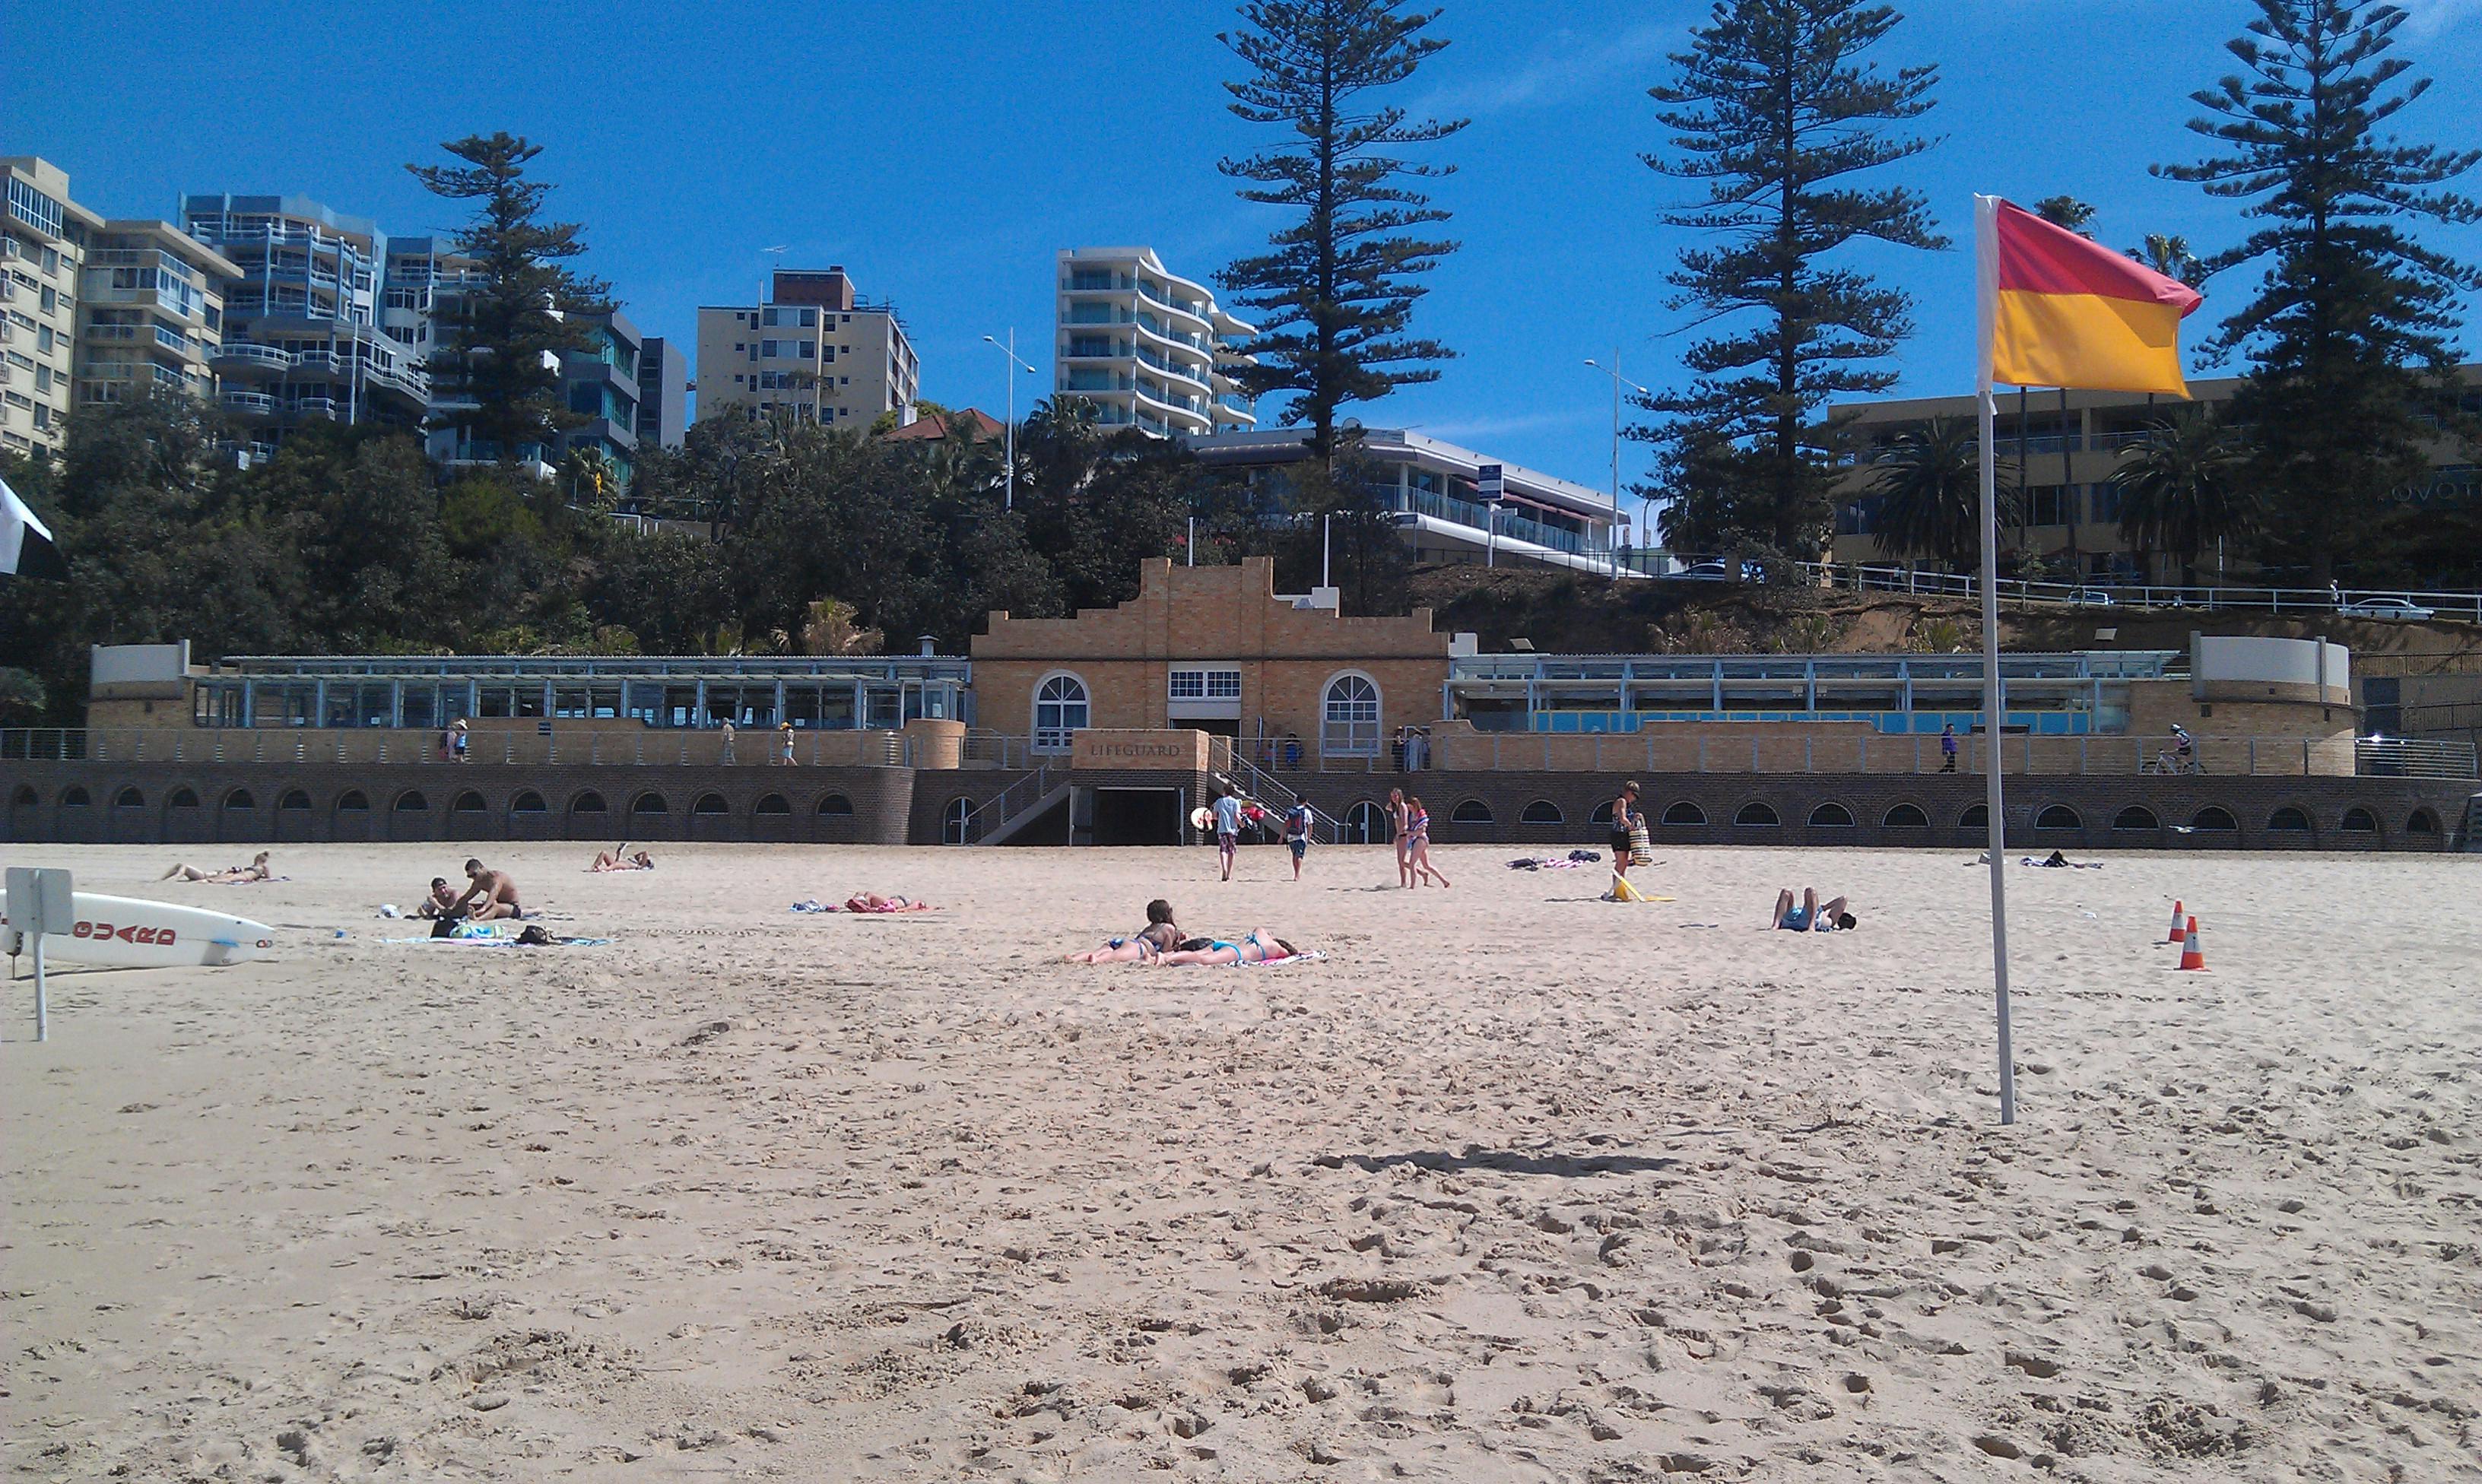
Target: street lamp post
{"x":1613,"y":371}
{"x":1015,"y":366}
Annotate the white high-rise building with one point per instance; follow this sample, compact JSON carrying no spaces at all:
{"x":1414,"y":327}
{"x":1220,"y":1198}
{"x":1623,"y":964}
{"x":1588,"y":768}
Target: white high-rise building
{"x":1147,"y":346}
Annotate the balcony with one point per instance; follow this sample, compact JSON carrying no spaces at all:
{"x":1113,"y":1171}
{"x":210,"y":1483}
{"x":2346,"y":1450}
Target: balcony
{"x":249,"y":403}
{"x":319,"y":363}
{"x":245,"y":360}
{"x":316,"y":407}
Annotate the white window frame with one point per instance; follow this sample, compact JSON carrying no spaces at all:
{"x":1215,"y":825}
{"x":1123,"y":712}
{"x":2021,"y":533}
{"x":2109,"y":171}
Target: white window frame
{"x":1060,"y":738}
{"x":1347,"y":738}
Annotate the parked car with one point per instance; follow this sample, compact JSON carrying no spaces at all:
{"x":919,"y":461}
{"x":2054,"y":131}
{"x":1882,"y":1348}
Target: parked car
{"x":2405,"y":610}
{"x":2089,"y":597}
{"x":1703,"y":572}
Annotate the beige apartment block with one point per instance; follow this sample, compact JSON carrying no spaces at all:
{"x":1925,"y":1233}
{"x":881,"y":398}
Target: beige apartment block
{"x":151,"y":313}
{"x":43,"y":238}
{"x":814,"y":352}
{"x":2063,"y":449}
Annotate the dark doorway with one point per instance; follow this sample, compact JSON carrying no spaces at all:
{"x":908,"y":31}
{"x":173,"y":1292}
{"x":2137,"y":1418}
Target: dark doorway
{"x":1137,"y":816}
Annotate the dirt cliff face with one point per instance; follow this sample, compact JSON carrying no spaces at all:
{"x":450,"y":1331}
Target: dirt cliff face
{"x":1562,"y":613}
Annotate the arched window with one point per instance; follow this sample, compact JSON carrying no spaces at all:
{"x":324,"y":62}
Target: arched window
{"x":76,"y":798}
{"x":412,"y":801}
{"x":240,"y":798}
{"x":2422,"y":822}
{"x":2361,"y":821}
{"x":1756,"y":813}
{"x":1683,"y":813}
{"x":528,"y":802}
{"x":773,"y":803}
{"x":588,"y":802}
{"x":26,"y":797}
{"x":354,"y":800}
{"x":956,"y":823}
{"x":2288,"y":821}
{"x":836,"y":805}
{"x":129,"y":798}
{"x":1906,"y":816}
{"x":1975,"y":817}
{"x":1471,"y":811}
{"x":1349,"y":717}
{"x":1602,"y":814}
{"x":2059,"y":817}
{"x":650,"y":803}
{"x":294,"y":799}
{"x":182,"y":798}
{"x":2136,"y":817}
{"x":1831,"y":816}
{"x":471,"y":802}
{"x":2215,"y":818}
{"x":1541,"y":812}
{"x":1060,"y":711}
{"x":1365,"y":823}
{"x":711,"y":803}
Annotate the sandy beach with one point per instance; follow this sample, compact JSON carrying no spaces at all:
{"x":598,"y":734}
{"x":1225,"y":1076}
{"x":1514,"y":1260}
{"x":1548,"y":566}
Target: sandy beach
{"x":1516,"y":1184}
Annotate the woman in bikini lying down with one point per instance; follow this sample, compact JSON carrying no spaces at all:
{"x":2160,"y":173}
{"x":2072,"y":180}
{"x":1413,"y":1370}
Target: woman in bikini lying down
{"x":872,"y":901}
{"x":614,"y":860}
{"x":1160,"y":935}
{"x":1256,"y":946}
{"x":231,"y":875}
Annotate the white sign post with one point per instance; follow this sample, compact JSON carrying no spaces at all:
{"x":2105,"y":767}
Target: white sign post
{"x":39,"y":901}
{"x":1491,"y":482}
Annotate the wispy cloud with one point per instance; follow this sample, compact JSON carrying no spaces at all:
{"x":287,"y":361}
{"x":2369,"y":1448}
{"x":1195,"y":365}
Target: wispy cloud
{"x":2430,"y":17}
{"x":1563,"y":64}
{"x":1502,"y":426}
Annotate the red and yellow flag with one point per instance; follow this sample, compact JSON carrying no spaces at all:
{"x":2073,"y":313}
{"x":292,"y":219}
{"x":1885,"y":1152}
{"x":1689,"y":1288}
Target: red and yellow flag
{"x":2059,"y":310}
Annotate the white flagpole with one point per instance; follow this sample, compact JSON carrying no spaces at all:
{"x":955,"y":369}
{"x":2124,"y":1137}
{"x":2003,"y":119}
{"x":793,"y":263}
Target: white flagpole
{"x":1986,"y":211}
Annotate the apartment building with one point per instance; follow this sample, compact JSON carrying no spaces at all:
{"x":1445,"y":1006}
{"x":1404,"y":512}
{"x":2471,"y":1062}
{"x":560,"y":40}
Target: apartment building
{"x":813,"y":351}
{"x":303,"y":341}
{"x":150,"y":312}
{"x":43,"y":239}
{"x":2063,"y":451}
{"x":663,"y":393}
{"x":1147,"y":347}
{"x":600,"y":384}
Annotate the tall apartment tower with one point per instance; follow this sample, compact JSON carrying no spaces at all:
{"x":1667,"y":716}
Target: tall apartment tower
{"x":303,"y":341}
{"x":813,"y":351}
{"x":150,"y":312}
{"x":1148,"y":347}
{"x":43,"y":238}
{"x":663,"y":393}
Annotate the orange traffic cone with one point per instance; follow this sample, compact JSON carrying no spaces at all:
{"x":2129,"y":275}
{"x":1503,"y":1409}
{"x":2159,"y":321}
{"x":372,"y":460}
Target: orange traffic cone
{"x":2175,"y":935}
{"x":2190,"y":958}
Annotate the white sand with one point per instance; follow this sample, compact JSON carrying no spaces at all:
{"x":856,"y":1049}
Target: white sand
{"x":1518,"y":1185}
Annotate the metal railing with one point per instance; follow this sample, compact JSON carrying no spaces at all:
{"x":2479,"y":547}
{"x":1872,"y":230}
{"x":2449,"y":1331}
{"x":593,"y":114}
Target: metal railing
{"x":984,"y":748}
{"x":1001,"y":807}
{"x":1715,"y":749}
{"x":2413,"y":757}
{"x":371,"y":745}
{"x":1231,"y":767}
{"x":1861,"y":577}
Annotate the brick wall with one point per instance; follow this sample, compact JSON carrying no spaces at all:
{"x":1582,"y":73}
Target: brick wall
{"x":243,"y":804}
{"x":1286,"y":656}
{"x":2098,"y":805}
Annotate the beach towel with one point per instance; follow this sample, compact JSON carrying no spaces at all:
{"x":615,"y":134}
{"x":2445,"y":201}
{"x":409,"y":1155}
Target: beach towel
{"x":1313,"y":956}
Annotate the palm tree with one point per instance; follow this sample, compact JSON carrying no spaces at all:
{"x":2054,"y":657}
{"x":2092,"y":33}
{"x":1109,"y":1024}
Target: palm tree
{"x":1929,"y":486}
{"x":2180,"y":488}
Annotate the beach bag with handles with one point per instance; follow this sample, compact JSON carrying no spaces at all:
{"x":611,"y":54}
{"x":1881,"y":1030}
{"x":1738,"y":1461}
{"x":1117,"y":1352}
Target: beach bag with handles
{"x":1641,"y":842}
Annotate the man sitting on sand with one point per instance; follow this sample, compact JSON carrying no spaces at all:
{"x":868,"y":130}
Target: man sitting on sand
{"x":231,"y":875}
{"x":614,"y":860}
{"x":441,"y":902}
{"x":492,"y":894}
{"x":1811,"y":916}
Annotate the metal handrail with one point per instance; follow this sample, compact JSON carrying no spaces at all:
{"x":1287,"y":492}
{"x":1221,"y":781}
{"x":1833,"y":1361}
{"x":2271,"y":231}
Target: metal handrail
{"x":669,"y":748}
{"x":1867,"y":576}
{"x":1039,"y":781}
{"x":1261,"y":782}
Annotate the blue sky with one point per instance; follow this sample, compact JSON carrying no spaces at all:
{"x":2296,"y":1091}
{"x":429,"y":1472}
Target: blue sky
{"x":942,"y":151}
